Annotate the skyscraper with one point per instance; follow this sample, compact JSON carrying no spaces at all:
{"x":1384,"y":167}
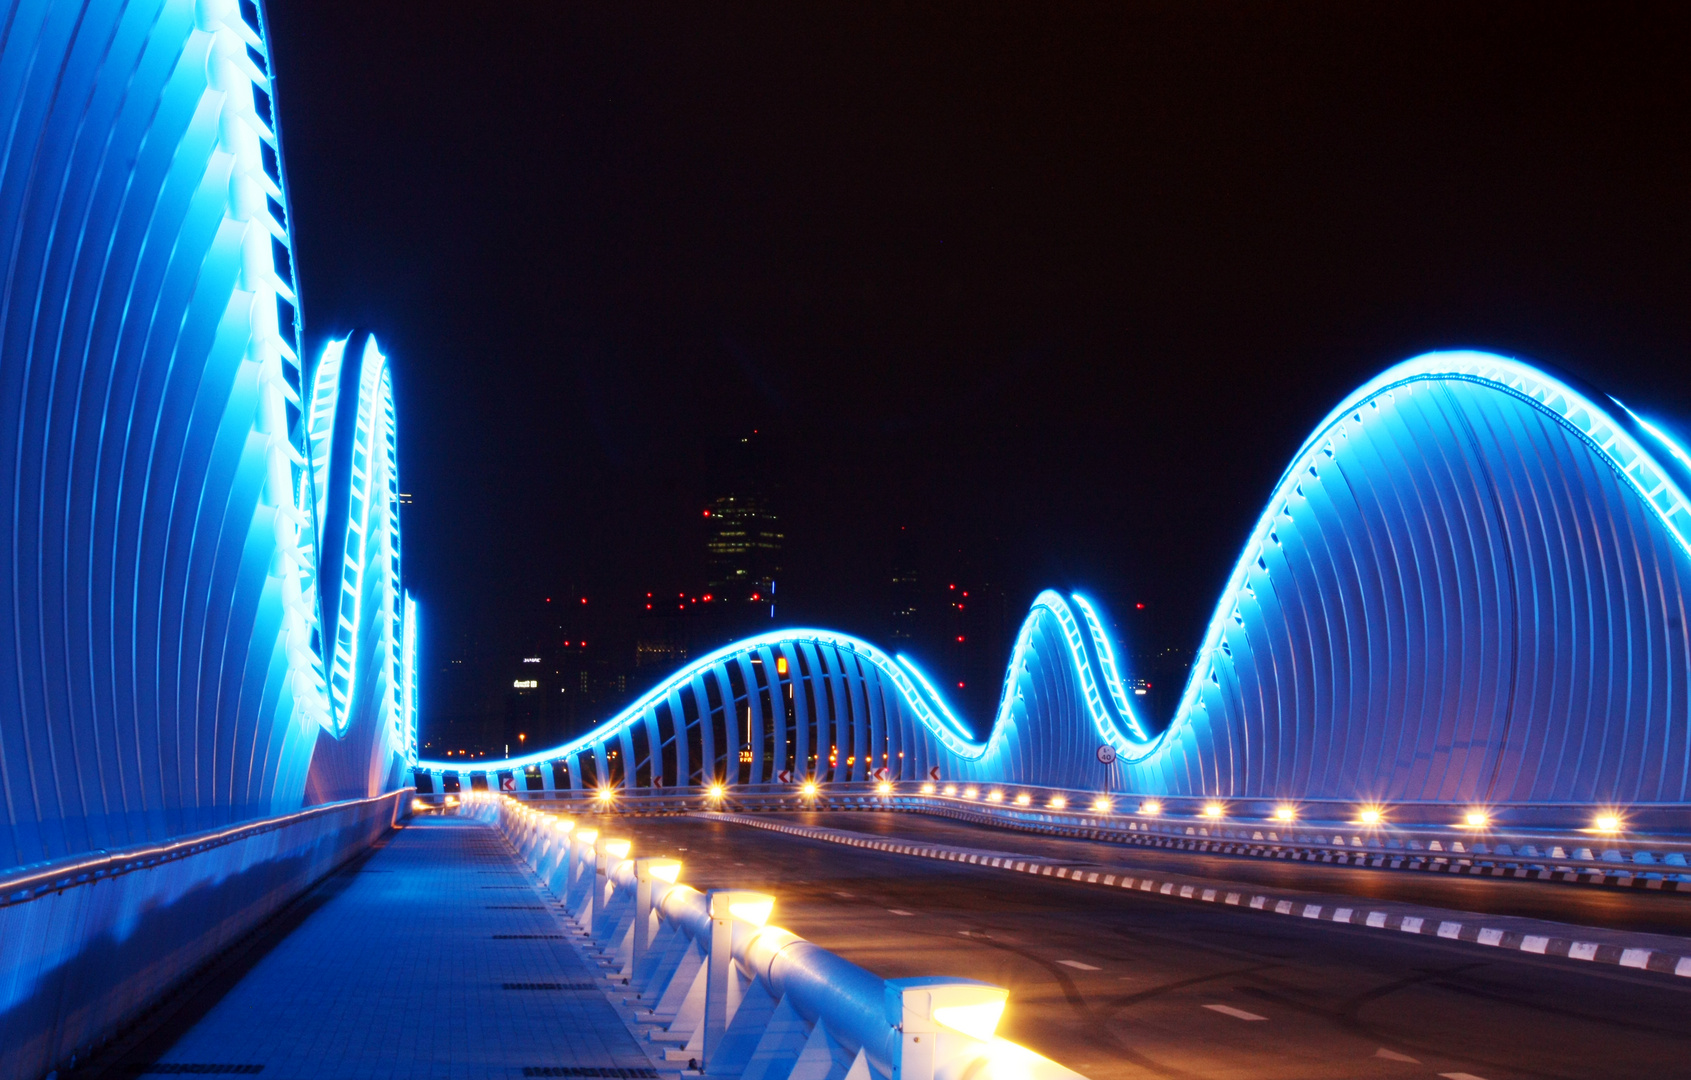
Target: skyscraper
{"x":744,"y":534}
{"x":905,"y":582}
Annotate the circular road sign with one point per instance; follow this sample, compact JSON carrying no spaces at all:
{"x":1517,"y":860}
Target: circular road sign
{"x":1107,"y":754}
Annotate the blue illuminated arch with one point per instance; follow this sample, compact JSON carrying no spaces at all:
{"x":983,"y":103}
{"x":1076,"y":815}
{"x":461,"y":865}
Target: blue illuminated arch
{"x":163,"y":667}
{"x":1470,"y":585}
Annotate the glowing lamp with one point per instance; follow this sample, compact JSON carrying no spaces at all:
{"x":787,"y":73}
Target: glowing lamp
{"x":755,"y":912}
{"x":1607,"y":823}
{"x":809,"y":789}
{"x":995,"y":796}
{"x":668,"y":870}
{"x":1476,"y":819}
{"x":1023,"y":799}
{"x":951,"y":789}
{"x":1101,"y":805}
{"x":717,"y":791}
{"x":1213,"y":810}
{"x":1058,"y":802}
{"x":970,"y":793}
{"x":978,"y":1021}
{"x":1285,"y":813}
{"x":927,"y":789}
{"x":1370,"y":815}
{"x":418,"y":805}
{"x":605,"y":794}
{"x":1151,"y":808}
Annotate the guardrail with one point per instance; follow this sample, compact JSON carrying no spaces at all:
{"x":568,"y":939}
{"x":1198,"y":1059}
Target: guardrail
{"x":1560,"y":855}
{"x":737,"y":997}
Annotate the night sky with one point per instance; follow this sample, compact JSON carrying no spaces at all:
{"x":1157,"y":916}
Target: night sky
{"x":1058,"y":288}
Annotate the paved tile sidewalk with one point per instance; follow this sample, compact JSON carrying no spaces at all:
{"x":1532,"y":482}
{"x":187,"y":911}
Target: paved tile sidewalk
{"x":403,"y":975}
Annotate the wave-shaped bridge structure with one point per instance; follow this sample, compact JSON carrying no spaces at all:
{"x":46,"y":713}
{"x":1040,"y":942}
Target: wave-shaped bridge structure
{"x":1469,"y":586}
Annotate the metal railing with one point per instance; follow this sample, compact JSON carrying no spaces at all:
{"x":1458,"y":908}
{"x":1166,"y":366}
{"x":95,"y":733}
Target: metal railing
{"x":734,"y":996}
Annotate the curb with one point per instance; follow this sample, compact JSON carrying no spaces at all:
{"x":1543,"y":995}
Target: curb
{"x":1643,"y":959}
{"x":1486,"y":864}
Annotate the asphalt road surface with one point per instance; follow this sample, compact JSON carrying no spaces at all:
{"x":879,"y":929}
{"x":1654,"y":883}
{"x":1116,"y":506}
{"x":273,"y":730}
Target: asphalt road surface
{"x":1583,"y":905}
{"x":1121,"y":984}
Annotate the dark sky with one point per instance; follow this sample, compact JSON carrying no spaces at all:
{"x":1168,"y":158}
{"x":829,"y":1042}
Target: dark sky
{"x":1059,"y":287}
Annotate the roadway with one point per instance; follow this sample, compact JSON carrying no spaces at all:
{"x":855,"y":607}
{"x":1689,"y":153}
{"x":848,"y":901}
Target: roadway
{"x":1583,"y":905}
{"x":1123,"y":984}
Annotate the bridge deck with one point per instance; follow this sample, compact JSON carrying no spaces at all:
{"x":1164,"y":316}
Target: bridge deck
{"x":401,"y":972}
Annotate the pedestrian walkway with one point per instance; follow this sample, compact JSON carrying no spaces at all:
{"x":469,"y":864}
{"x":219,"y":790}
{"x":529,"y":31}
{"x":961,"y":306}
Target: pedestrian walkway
{"x":441,"y":959}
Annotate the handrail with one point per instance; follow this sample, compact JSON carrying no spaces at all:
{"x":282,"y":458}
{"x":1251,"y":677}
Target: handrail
{"x":28,"y":882}
{"x":792,"y":997}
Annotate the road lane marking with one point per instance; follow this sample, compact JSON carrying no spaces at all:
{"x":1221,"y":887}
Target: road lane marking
{"x":1077,"y":964}
{"x":1393,"y":1055}
{"x":1237,"y":1014}
{"x":897,"y":911}
{"x":847,"y":895}
{"x":1461,"y":1076}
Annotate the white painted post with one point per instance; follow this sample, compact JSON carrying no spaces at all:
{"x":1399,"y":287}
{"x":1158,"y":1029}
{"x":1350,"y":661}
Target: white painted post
{"x":725,"y":906}
{"x":943,"y":1022}
{"x":644,"y":870}
{"x":580,"y":839}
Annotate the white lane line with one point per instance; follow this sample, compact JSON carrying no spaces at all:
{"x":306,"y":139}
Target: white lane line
{"x":1461,"y":1076}
{"x":847,"y":895}
{"x":1237,"y":1014}
{"x":1078,"y":965}
{"x":1393,"y":1055}
{"x":897,"y":911}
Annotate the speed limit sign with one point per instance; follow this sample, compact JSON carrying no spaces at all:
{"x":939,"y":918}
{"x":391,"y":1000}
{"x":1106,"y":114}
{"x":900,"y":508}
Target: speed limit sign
{"x":1106,"y":754}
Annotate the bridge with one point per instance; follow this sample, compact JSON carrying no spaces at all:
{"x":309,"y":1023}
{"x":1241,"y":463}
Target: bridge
{"x":1434,"y":749}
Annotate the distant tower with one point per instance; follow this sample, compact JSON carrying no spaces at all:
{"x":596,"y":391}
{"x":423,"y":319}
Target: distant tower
{"x":744,"y":536}
{"x":904,"y":587}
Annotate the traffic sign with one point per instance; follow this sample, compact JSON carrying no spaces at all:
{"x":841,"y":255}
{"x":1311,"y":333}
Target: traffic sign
{"x":1107,"y":754}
